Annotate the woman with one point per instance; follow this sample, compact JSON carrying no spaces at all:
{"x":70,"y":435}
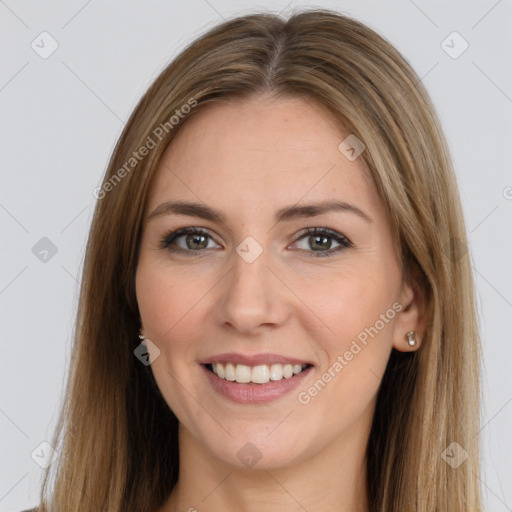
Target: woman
{"x":275,"y":312}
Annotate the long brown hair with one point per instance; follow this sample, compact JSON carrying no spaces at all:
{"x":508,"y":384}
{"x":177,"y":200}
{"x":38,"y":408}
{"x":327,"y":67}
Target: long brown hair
{"x":116,"y":436}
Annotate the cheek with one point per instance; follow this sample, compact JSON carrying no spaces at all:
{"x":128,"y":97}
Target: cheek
{"x":348,"y":303}
{"x":167,"y":303}
{"x":167,"y":300}
{"x":356,"y":312}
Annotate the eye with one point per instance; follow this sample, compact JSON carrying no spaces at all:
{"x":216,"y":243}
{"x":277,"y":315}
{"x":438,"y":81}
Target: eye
{"x":319,"y":242}
{"x":188,"y":240}
{"x":316,"y":241}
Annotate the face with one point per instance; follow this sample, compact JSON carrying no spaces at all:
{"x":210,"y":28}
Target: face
{"x":269,"y":282}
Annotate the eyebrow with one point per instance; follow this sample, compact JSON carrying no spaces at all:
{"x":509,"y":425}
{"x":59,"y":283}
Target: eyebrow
{"x":284,"y":214}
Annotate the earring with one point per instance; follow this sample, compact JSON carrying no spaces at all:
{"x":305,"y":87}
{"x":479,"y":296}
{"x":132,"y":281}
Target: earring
{"x":411,"y":338}
{"x":141,"y":337}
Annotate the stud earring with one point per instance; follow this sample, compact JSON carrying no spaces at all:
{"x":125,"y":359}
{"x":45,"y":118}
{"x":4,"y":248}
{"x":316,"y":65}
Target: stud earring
{"x":411,"y":338}
{"x":141,"y":337}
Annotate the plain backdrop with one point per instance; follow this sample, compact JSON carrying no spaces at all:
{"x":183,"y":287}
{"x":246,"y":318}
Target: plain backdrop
{"x":62,"y":113}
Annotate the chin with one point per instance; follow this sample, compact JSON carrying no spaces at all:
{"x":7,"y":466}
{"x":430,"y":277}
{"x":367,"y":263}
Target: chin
{"x":257,"y":450}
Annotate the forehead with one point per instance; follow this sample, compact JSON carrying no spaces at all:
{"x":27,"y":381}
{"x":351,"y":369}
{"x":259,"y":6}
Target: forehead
{"x":261,"y":153}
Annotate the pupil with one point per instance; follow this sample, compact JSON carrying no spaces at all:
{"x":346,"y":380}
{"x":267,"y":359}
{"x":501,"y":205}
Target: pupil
{"x":197,"y":239}
{"x":324,"y":244}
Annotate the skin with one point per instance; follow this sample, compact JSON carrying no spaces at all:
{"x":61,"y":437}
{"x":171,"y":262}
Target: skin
{"x":248,"y":159}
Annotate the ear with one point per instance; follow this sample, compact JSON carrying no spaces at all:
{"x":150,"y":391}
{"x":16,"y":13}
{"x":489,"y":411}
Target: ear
{"x":412,"y":317}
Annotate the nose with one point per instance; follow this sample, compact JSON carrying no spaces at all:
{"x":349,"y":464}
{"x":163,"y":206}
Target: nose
{"x":253,"y":298}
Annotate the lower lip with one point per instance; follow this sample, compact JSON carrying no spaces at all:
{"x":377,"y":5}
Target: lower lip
{"x":255,"y":393}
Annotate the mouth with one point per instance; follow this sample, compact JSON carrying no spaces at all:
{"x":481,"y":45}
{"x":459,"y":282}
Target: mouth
{"x":258,"y":374}
{"x":254,"y":378}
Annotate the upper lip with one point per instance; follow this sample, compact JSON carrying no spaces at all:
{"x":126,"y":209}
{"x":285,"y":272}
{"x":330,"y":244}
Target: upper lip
{"x":253,"y":359}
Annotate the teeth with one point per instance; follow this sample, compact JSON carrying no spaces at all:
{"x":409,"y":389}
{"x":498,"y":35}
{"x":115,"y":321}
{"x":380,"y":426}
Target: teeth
{"x":276,"y":372}
{"x":242,"y":373}
{"x":260,"y":374}
{"x":229,"y":373}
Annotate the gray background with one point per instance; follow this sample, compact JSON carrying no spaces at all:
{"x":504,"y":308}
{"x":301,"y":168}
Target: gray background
{"x":61,"y":116}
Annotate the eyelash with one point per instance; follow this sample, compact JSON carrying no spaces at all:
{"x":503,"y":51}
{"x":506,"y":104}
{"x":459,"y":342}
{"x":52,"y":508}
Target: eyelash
{"x":344,"y":242}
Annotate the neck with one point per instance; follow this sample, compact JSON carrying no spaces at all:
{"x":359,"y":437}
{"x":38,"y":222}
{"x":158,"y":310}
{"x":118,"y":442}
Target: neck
{"x":334,"y":480}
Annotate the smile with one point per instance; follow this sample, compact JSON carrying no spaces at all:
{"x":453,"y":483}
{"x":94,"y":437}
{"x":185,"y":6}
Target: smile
{"x":254,"y":378}
{"x":260,"y":374}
